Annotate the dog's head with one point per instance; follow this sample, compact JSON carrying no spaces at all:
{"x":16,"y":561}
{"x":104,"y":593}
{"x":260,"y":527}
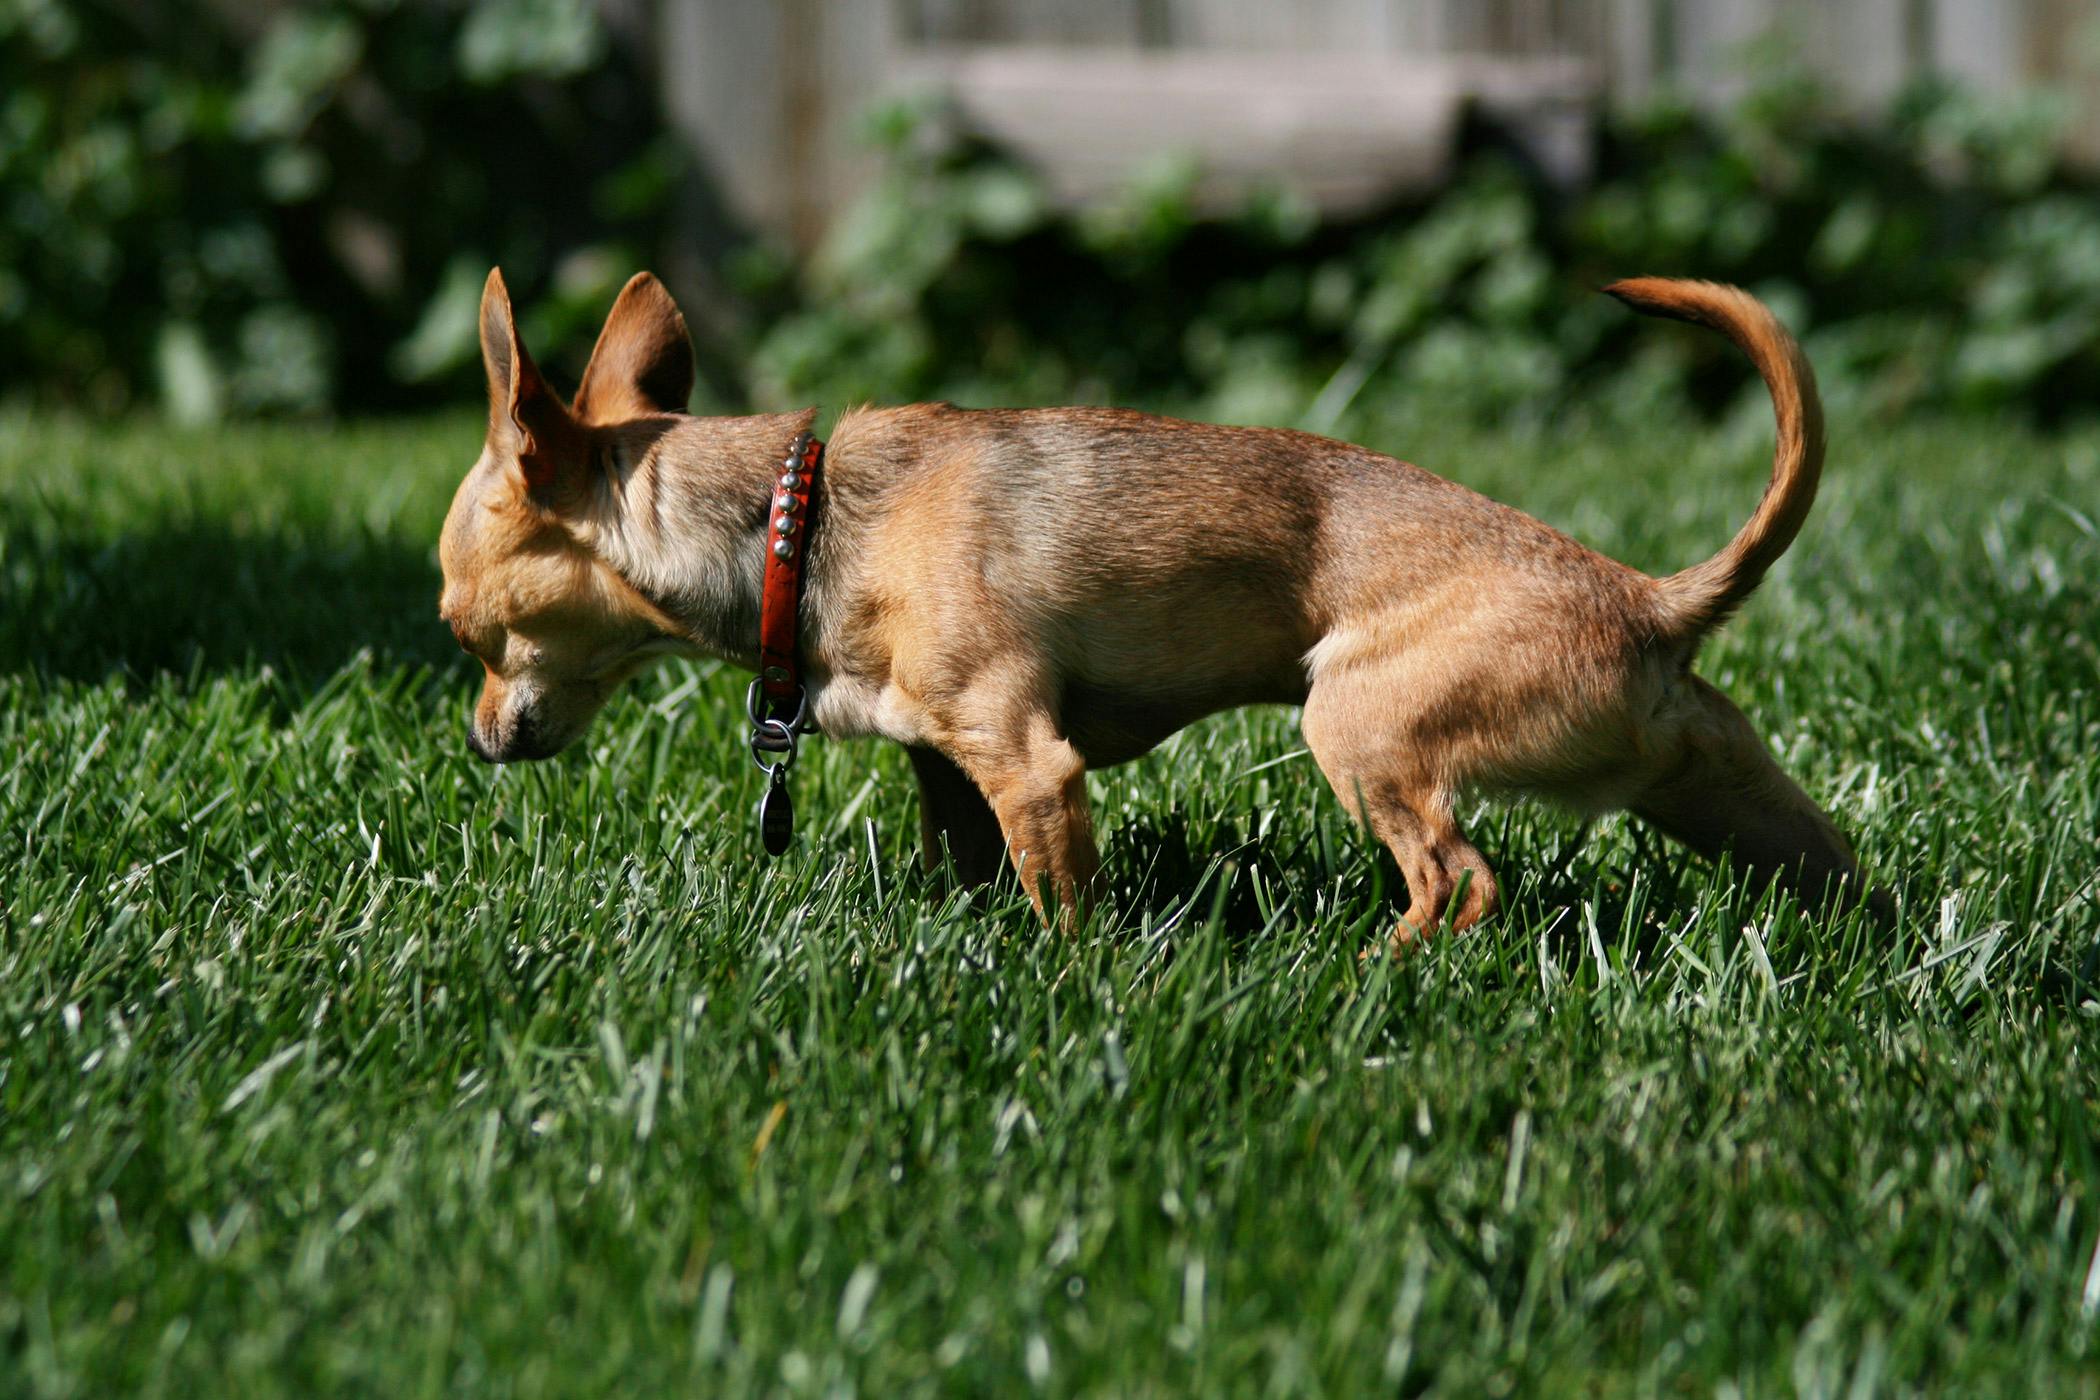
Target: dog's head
{"x":556,"y":629}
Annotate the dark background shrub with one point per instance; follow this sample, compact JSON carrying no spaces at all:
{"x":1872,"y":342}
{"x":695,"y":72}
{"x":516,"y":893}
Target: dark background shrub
{"x":228,"y":209}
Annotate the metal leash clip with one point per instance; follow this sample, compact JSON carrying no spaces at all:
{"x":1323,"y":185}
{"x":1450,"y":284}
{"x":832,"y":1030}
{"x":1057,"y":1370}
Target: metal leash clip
{"x":774,"y":747}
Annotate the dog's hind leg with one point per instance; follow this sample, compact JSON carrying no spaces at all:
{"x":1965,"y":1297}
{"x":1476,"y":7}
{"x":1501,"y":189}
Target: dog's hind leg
{"x":955,"y":822}
{"x":1722,"y":792}
{"x":1379,"y":766}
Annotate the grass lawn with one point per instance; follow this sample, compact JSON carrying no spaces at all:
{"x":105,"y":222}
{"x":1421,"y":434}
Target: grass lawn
{"x":332,"y":1061}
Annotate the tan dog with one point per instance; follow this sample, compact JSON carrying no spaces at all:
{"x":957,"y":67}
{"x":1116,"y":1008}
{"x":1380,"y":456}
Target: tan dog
{"x":1018,"y":596}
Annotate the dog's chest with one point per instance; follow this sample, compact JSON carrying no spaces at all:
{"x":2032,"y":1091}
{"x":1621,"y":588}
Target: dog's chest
{"x":846,"y":707}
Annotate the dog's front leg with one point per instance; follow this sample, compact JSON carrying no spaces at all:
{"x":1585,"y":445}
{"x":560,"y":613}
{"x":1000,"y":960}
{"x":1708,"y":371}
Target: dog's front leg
{"x":955,"y":822}
{"x":1035,"y":782}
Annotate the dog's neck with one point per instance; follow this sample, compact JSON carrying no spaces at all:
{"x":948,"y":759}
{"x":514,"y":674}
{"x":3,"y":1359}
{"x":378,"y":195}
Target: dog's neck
{"x":684,"y":519}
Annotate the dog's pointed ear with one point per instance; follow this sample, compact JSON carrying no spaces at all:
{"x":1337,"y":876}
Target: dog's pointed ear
{"x":526,"y":419}
{"x":643,"y":362}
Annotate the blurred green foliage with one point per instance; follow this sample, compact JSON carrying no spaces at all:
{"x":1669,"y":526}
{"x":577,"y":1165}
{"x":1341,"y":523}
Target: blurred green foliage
{"x":271,"y":208}
{"x":1939,"y":254}
{"x":234,"y":209}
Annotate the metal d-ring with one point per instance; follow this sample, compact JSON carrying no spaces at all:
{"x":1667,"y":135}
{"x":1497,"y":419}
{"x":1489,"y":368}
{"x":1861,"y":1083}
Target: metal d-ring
{"x":755,"y":703}
{"x":772,"y":735}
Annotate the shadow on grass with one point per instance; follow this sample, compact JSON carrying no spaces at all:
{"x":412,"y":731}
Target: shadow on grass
{"x":199,"y":598}
{"x":1152,"y":865}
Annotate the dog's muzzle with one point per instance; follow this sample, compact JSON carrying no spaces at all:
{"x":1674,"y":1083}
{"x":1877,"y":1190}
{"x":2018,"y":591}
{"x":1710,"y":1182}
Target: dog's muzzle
{"x":524,"y":745}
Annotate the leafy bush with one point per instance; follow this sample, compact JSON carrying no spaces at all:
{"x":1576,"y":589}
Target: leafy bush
{"x":1938,"y":255}
{"x":269,"y":208}
{"x":236,"y":209}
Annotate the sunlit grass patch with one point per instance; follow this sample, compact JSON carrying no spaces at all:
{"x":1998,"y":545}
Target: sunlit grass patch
{"x":333,"y":1061}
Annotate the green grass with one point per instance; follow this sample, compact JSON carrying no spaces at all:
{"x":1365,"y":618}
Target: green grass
{"x":333,"y":1061}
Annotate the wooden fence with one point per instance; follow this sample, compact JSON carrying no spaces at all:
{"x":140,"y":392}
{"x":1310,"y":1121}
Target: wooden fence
{"x":1347,"y":101}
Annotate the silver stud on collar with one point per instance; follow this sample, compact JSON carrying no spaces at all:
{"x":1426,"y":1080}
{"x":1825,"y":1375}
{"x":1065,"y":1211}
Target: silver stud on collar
{"x":784,"y":549}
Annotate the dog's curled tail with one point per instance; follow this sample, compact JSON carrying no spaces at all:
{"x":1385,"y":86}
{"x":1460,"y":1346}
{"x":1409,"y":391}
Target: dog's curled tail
{"x":1698,"y":599}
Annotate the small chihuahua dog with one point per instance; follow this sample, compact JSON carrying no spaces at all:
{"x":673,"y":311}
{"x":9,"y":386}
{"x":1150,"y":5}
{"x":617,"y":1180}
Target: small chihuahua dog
{"x":1017,"y":596}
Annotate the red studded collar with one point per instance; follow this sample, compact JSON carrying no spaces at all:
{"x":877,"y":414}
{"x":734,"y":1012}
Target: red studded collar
{"x":777,"y":703}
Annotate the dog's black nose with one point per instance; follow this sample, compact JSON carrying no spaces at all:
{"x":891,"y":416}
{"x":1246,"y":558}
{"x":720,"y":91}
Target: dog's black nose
{"x":474,"y":743}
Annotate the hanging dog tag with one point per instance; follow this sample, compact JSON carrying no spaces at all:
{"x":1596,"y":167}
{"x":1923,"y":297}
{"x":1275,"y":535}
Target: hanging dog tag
{"x":776,"y":815}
